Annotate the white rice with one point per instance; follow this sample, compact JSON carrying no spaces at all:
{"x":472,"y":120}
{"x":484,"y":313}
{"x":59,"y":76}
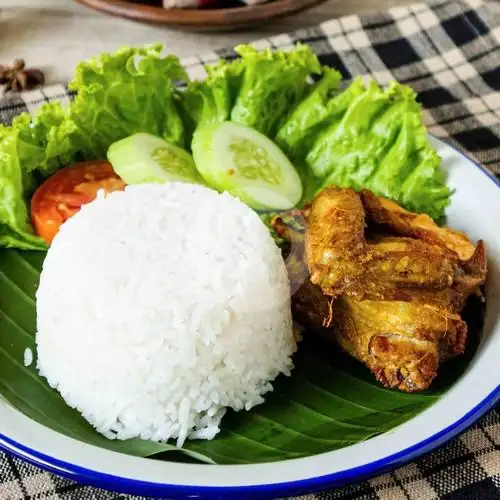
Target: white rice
{"x":160,"y":306}
{"x":28,"y":357}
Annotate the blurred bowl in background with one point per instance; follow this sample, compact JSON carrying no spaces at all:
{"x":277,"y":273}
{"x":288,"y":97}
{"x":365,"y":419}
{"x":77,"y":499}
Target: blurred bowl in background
{"x":235,"y":16}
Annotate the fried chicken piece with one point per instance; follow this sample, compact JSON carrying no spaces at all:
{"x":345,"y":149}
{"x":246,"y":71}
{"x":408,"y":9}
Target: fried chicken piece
{"x":395,"y":219}
{"x":473,"y":276}
{"x":341,"y":261}
{"x":336,"y":249}
{"x":402,"y":343}
{"x":389,"y":252}
{"x":313,"y":310}
{"x":398,"y":299}
{"x":384,"y":214}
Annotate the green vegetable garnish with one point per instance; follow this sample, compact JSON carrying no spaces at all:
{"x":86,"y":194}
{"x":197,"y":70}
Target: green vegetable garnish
{"x":258,"y":90}
{"x":144,"y":158}
{"x":15,"y":230}
{"x":244,"y":162}
{"x":360,"y":137}
{"x":130,"y":91}
{"x":366,"y":137}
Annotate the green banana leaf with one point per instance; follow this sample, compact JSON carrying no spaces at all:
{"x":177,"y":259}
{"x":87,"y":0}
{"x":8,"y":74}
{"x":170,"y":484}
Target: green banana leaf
{"x":329,"y":402}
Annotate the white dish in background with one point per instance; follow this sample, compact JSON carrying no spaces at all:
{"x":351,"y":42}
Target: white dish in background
{"x":475,"y":209}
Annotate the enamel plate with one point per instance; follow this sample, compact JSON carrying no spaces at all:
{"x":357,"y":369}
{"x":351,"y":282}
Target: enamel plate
{"x":475,"y":208}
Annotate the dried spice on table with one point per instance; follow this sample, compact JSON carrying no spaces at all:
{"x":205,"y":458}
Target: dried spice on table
{"x":17,"y":77}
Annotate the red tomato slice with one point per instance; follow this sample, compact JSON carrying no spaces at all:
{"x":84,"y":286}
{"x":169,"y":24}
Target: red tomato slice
{"x":62,"y":195}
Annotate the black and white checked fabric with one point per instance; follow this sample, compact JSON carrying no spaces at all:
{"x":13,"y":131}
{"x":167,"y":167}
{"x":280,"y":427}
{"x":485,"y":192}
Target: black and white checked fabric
{"x":449,"y":52}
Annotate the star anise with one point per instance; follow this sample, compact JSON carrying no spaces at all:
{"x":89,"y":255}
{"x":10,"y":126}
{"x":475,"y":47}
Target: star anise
{"x":17,"y":77}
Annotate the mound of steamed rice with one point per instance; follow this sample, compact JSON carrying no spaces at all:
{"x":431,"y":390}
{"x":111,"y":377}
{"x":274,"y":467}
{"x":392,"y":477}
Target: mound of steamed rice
{"x":161,"y":306}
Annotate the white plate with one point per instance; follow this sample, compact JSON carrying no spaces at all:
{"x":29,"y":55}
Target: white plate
{"x":475,"y":209}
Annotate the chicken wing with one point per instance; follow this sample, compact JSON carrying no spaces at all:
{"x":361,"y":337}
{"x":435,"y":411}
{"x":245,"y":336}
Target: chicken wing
{"x":335,"y":242}
{"x":469,"y":275}
{"x":342,"y":261}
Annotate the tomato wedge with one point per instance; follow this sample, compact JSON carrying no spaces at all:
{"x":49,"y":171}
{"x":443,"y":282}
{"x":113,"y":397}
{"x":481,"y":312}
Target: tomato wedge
{"x":62,"y":195}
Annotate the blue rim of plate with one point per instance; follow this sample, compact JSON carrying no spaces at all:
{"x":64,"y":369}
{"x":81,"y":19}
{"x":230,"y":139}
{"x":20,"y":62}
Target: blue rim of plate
{"x":272,"y":490}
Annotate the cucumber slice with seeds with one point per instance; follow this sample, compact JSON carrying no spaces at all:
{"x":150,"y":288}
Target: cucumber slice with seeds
{"x":240,"y":160}
{"x":142,"y":158}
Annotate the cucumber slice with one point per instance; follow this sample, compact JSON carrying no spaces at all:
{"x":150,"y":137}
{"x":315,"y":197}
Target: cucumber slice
{"x":142,"y":158}
{"x":238,"y":159}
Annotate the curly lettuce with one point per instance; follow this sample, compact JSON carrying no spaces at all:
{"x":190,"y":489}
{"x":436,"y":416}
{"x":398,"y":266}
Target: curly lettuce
{"x":366,"y":137}
{"x":15,"y":186}
{"x":132,"y":90}
{"x":210,"y":101}
{"x":298,"y":132}
{"x":258,"y":90}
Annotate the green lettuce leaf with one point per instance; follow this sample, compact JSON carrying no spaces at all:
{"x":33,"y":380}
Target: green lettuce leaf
{"x":273,"y":83}
{"x":15,"y":186}
{"x":367,"y":137}
{"x":298,"y":132}
{"x":132,"y":90}
{"x":257,"y":90}
{"x":30,"y":150}
{"x":46,"y":141}
{"x":210,"y":101}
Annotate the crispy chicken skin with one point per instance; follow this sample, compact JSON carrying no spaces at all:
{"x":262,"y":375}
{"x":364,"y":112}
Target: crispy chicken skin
{"x":335,"y":242}
{"x":398,"y":263}
{"x":394,"y":218}
{"x":400,"y":342}
{"x":453,"y":298}
{"x":386,"y":284}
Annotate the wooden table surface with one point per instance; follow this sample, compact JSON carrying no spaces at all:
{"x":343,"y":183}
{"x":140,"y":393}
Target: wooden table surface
{"x":55,"y":34}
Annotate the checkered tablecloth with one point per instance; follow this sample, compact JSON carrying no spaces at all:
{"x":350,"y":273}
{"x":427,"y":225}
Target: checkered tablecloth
{"x":449,"y":52}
